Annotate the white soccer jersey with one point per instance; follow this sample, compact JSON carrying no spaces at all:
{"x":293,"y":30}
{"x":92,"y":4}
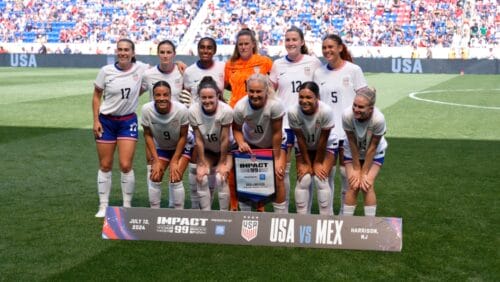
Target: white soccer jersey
{"x":256,"y":124}
{"x":337,"y":89}
{"x":194,"y":73}
{"x":312,"y":125}
{"x":174,"y":79}
{"x":290,"y":75}
{"x":363,"y":131}
{"x":165,"y":127}
{"x":210,"y":125}
{"x":121,"y":89}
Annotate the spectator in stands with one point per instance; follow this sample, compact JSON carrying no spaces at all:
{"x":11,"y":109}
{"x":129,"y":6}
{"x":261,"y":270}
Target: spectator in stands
{"x":244,"y":62}
{"x":116,"y":96}
{"x":3,"y":51}
{"x":67,"y":50}
{"x":42,"y":50}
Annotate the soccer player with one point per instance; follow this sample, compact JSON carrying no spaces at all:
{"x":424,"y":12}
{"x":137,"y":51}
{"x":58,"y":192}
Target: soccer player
{"x":170,"y":71}
{"x":287,"y":75}
{"x":211,"y":119}
{"x":116,"y":97}
{"x":244,"y":62}
{"x":312,"y":121}
{"x":365,"y":127}
{"x":258,"y":119}
{"x":165,"y":123}
{"x":338,"y":80}
{"x":205,"y":66}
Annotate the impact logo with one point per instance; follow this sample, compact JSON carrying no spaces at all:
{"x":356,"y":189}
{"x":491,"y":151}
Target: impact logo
{"x":249,"y":227}
{"x":181,"y":225}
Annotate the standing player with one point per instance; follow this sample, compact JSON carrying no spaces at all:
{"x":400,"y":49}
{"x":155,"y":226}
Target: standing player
{"x":312,"y":121}
{"x":244,"y":62}
{"x":287,"y":75}
{"x":205,"y":66}
{"x":338,"y":80}
{"x":258,"y":119}
{"x":365,"y":127}
{"x":166,"y":70}
{"x":165,"y":124}
{"x":211,"y":119}
{"x":115,"y":121}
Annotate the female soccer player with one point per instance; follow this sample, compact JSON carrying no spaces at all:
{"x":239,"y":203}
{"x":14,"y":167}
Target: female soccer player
{"x":287,"y":75}
{"x":312,"y":121}
{"x":211,"y":119}
{"x":338,"y":80}
{"x":244,"y":62}
{"x":258,"y":119}
{"x":165,"y":124}
{"x":170,"y":71}
{"x":205,"y":66}
{"x":364,"y":152}
{"x":118,"y":85}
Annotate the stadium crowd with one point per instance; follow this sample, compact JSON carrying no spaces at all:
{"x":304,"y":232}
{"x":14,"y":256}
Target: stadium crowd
{"x":417,"y":23}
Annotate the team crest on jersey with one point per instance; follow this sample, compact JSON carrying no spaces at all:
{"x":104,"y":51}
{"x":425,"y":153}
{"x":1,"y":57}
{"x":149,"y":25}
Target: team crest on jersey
{"x":135,"y":76}
{"x":249,"y":227}
{"x":346,"y":81}
{"x":175,"y":123}
{"x":307,"y":71}
{"x":318,"y":124}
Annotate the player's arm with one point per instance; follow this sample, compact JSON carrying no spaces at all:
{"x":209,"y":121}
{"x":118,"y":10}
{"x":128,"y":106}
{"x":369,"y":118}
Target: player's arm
{"x":319,"y":169}
{"x":175,"y":173}
{"x":367,"y":183}
{"x":202,"y":167}
{"x":277,"y":137}
{"x":157,"y":170}
{"x":355,"y":179}
{"x":222,"y":166}
{"x":306,"y":168}
{"x":240,"y":140}
{"x":96,"y":103}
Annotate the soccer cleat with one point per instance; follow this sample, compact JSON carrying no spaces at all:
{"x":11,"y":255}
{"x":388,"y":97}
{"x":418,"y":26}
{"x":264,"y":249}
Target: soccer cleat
{"x":102,"y":212}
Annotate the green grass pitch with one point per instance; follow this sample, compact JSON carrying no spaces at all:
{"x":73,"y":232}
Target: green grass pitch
{"x":441,"y":176}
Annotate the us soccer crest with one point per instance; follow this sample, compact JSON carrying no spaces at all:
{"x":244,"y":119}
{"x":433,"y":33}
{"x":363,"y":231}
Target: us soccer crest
{"x":249,"y":227}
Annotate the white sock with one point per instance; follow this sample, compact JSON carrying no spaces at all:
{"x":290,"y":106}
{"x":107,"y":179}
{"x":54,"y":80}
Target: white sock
{"x":345,"y":186}
{"x":148,"y":175}
{"x":280,"y":207}
{"x":193,"y":187}
{"x":349,"y":210}
{"x":331,"y":182}
{"x":204,"y":194}
{"x":128,"y":186}
{"x":287,"y":185}
{"x":178,"y":194}
{"x":324,"y":196}
{"x":154,"y":192}
{"x":223,"y":192}
{"x":103,"y":187}
{"x":370,"y":210}
{"x":302,"y":194}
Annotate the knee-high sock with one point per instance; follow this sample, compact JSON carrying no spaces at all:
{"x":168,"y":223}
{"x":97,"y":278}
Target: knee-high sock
{"x":280,"y":207}
{"x":193,"y":187}
{"x":178,"y":194}
{"x":103,"y":187}
{"x":302,"y":194}
{"x":128,"y":186}
{"x":154,"y":193}
{"x":349,"y":210}
{"x":223,"y":192}
{"x":204,"y":194}
{"x":370,"y":210}
{"x":211,"y":184}
{"x":324,"y":196}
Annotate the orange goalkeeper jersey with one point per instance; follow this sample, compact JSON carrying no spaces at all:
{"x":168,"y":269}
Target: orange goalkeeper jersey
{"x":237,"y":72}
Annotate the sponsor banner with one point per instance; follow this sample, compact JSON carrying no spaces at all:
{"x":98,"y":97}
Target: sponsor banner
{"x":254,"y":174}
{"x":251,"y":228}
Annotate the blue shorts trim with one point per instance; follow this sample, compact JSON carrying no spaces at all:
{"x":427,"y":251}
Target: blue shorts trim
{"x":167,"y":155}
{"x":377,"y":161}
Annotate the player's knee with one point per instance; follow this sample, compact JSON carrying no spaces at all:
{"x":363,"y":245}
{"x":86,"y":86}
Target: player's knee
{"x":305,"y":182}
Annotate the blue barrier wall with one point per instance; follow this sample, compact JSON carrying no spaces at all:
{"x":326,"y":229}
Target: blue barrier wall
{"x":386,"y":65}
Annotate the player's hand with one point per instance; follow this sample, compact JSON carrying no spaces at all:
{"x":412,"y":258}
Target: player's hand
{"x":202,"y":169}
{"x":185,"y":97}
{"x":354,"y":180}
{"x":320,"y":171}
{"x":280,"y":171}
{"x":223,"y":170}
{"x":175,"y":175}
{"x":244,"y":148}
{"x":181,"y":66}
{"x":366,"y":183}
{"x":303,"y":170}
{"x":98,"y":129}
{"x":157,"y":172}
